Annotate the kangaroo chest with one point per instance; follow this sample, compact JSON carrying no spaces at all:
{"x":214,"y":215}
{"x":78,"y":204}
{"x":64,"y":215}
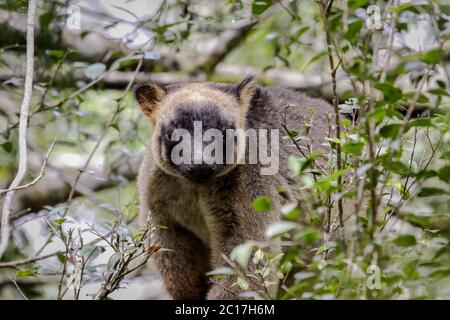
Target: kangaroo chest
{"x":187,"y":210}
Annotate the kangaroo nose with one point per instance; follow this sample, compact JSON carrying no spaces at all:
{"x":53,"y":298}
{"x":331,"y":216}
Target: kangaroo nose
{"x":199,"y":172}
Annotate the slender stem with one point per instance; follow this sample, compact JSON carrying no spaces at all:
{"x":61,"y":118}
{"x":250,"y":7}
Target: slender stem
{"x":15,"y":264}
{"x":23,"y":124}
{"x":390,"y":42}
{"x":326,"y":9}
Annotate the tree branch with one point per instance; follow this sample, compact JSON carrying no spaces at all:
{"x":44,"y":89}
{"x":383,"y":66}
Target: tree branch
{"x":229,"y":39}
{"x":39,"y":177}
{"x":23,"y":124}
{"x":16,"y":263}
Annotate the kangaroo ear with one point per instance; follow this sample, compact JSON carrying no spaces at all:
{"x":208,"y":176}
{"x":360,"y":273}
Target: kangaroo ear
{"x":246,"y":90}
{"x":148,"y":96}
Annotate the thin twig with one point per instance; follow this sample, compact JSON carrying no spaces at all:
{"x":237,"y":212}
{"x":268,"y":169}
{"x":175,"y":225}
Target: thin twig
{"x":225,"y":288}
{"x":326,"y":9}
{"x":390,"y":43}
{"x":40,"y":175}
{"x":18,"y":288}
{"x":16,"y":263}
{"x":402,"y":130}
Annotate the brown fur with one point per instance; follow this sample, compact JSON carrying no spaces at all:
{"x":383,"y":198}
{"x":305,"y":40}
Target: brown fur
{"x":204,"y":221}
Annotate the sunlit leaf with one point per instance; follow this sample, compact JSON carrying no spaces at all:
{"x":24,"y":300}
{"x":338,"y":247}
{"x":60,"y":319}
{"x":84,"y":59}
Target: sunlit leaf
{"x":353,"y":148}
{"x":241,"y":253}
{"x":25,"y":273}
{"x":221,"y":271}
{"x":262,"y":204}
{"x":294,"y":164}
{"x":279,"y":228}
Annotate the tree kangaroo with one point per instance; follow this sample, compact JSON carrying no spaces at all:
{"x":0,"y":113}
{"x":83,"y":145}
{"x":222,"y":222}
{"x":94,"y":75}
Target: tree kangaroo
{"x":202,"y":209}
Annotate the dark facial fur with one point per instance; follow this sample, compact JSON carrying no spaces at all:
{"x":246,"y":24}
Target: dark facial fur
{"x":184,"y":118}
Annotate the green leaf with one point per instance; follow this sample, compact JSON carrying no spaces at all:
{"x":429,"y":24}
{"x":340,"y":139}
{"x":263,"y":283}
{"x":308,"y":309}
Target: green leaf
{"x":138,"y":235}
{"x":444,"y":173}
{"x":297,"y":34}
{"x":442,"y":85}
{"x":294,"y":164}
{"x":346,"y":122}
{"x":113,"y":260}
{"x":391,"y":93}
{"x":115,"y":126}
{"x":439,"y":92}
{"x":309,"y":235}
{"x":353,"y":30}
{"x":259,"y":6}
{"x":7,"y":146}
{"x":90,"y":251}
{"x":431,"y":191}
{"x":290,"y":211}
{"x":422,"y":122}
{"x":16,"y":5}
{"x":60,"y":221}
{"x":405,"y":241}
{"x":61,"y":257}
{"x":336,"y":21}
{"x":390,"y":130}
{"x":431,"y":57}
{"x":334,"y":140}
{"x":293,"y":133}
{"x":395,"y":166}
{"x":58,"y":54}
{"x":353,"y":148}
{"x":25,"y":273}
{"x":356,"y":4}
{"x":426,"y":174}
{"x":323,"y":185}
{"x":309,"y":161}
{"x":441,"y":273}
{"x":402,"y":8}
{"x":422,"y":221}
{"x":262,"y":204}
{"x":316,"y":58}
{"x":45,"y":19}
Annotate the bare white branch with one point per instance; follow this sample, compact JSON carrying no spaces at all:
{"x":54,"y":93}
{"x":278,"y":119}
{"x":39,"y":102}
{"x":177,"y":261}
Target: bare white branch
{"x":23,"y":124}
